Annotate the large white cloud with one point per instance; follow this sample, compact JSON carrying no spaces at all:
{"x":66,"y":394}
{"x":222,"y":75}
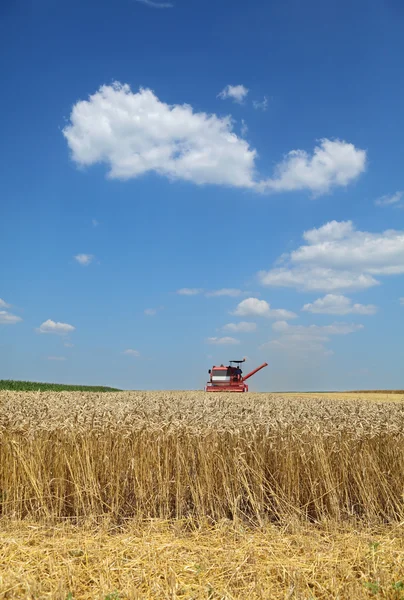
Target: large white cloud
{"x":337,"y":304}
{"x":50,"y":326}
{"x":136,"y":133}
{"x":337,"y":256}
{"x":261,"y":308}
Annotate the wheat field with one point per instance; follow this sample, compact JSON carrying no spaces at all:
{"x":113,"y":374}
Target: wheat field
{"x":217,"y":495}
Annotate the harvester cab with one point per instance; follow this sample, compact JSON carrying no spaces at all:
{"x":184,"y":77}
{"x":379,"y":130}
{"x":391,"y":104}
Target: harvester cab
{"x":230,"y":378}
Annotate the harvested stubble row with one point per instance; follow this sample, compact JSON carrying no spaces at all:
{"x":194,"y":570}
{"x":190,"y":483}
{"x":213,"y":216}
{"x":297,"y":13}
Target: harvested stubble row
{"x":188,"y":455}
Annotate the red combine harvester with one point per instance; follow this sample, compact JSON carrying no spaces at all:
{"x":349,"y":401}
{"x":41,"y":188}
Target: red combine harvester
{"x":230,"y":379}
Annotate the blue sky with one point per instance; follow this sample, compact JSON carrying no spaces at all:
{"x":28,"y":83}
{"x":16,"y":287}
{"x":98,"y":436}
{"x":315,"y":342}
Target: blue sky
{"x":233,"y":169}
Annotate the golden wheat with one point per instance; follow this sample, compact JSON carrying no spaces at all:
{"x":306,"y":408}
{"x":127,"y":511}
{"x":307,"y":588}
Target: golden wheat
{"x":257,"y":458}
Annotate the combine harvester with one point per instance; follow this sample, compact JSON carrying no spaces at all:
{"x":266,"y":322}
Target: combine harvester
{"x":230,"y":379}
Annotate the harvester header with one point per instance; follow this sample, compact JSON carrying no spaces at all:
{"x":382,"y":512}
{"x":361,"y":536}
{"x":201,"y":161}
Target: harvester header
{"x":230,"y":378}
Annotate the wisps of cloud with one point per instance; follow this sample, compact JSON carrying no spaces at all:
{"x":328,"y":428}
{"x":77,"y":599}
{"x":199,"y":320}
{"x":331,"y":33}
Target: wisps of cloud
{"x":338,"y":257}
{"x":241,"y":327}
{"x":131,"y":352}
{"x":300,"y":339}
{"x":402,"y":301}
{"x":223,"y":341}
{"x":156,"y":4}
{"x":7,"y":318}
{"x":333,"y":304}
{"x":261,"y":308}
{"x":58,"y":358}
{"x":57,"y":328}
{"x":94,"y":223}
{"x":136,"y":133}
{"x":390,"y":199}
{"x":189,"y":291}
{"x":237,"y":93}
{"x":84,"y":259}
{"x":261,"y":105}
{"x":3,"y":304}
{"x":231,"y":292}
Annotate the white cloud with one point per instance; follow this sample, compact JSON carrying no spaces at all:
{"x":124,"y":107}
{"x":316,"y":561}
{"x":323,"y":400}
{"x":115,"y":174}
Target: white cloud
{"x":339,"y":257}
{"x":263,"y":105}
{"x":68,"y":345}
{"x":388,"y":200}
{"x":333,"y":304}
{"x":136,"y":133}
{"x":150,"y":312}
{"x":237,"y":93}
{"x":333,"y":163}
{"x":316,"y":279}
{"x":242,"y":327}
{"x":84,"y":259}
{"x":56,"y":358}
{"x":223,"y":341}
{"x":300,"y":339}
{"x":131,"y":352}
{"x":4,"y":304}
{"x":156,"y":4}
{"x":189,"y":291}
{"x":261,"y":308}
{"x":232,"y":292}
{"x":50,"y":326}
{"x":7,"y":318}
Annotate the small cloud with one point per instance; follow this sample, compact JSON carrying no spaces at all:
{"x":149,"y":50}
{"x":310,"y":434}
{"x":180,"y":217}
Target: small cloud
{"x":68,"y":345}
{"x":56,"y":358}
{"x":150,"y":312}
{"x":189,"y":291}
{"x":4,"y":304}
{"x":402,"y":301}
{"x":232,"y":292}
{"x":236,"y":92}
{"x":389,"y":199}
{"x":131,"y":352}
{"x":84,"y":259}
{"x":334,"y":304}
{"x":263,"y":105}
{"x":7,"y":318}
{"x":50,"y":326}
{"x":261,"y":308}
{"x":223,"y":341}
{"x":242,"y":327}
{"x":95,"y":223}
{"x":156,"y":4}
